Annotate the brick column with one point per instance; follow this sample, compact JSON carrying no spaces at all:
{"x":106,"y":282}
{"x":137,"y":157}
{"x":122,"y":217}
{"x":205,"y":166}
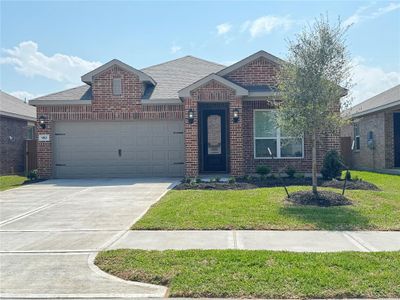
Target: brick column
{"x":236,"y":138}
{"x":44,"y":149}
{"x":191,"y":140}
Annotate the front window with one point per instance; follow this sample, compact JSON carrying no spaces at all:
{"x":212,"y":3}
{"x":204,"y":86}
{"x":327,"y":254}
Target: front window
{"x":356,"y":137}
{"x":30,"y":133}
{"x":268,"y":135}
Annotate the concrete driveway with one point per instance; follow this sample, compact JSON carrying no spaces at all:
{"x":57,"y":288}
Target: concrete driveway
{"x":50,"y":233}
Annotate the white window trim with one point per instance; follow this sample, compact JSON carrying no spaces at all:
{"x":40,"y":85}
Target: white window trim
{"x":277,"y":138}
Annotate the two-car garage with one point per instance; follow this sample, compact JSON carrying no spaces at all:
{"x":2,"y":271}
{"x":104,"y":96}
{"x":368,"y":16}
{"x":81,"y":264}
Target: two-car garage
{"x":118,"y":149}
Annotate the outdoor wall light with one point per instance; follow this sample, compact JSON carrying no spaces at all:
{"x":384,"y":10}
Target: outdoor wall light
{"x":191,"y":116}
{"x":236,"y":115}
{"x":42,"y":122}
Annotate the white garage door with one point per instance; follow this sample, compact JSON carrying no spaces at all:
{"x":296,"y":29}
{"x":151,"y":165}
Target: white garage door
{"x":118,"y":149}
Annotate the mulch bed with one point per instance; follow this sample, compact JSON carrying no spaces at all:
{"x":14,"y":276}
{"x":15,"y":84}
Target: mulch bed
{"x":351,"y":185}
{"x":322,"y":198}
{"x":254,"y":183}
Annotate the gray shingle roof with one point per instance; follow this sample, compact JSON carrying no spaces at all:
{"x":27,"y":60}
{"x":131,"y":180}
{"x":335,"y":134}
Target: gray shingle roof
{"x":13,"y":107}
{"x":177,"y":74}
{"x":388,"y":98}
{"x":83,"y":92}
{"x":170,"y":76}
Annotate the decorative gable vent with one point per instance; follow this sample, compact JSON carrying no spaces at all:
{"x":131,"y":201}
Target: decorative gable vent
{"x":117,"y":86}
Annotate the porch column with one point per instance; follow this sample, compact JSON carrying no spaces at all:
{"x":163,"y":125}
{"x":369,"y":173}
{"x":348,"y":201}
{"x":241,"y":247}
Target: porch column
{"x":236,"y":138}
{"x":44,"y":148}
{"x":191,"y":139}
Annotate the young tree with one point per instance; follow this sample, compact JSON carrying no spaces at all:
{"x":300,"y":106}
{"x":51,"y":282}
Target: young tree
{"x":312,"y":83}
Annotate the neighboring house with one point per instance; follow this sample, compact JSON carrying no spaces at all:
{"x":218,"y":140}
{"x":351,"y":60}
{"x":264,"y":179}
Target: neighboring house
{"x":375,"y":130}
{"x":184,"y":117}
{"x":17,"y":124}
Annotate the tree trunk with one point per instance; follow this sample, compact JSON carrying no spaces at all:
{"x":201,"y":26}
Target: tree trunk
{"x":314,"y":162}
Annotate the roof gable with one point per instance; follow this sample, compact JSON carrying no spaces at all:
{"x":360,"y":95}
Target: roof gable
{"x":88,"y":78}
{"x":249,"y":59}
{"x":238,"y":89}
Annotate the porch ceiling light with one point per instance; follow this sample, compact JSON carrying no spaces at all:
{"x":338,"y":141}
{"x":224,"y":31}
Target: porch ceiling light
{"x":236,"y":115}
{"x":191,"y":116}
{"x":42,"y":122}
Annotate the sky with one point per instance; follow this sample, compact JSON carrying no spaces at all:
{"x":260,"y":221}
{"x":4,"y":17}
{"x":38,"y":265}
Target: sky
{"x":46,"y":46}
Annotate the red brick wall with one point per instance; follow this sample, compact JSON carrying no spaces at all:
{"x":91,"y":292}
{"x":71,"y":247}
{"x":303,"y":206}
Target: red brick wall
{"x":12,"y":151}
{"x":103,"y":98}
{"x":213,"y":91}
{"x":258,"y":72}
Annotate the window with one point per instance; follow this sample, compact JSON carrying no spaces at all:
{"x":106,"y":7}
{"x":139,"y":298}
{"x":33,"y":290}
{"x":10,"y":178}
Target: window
{"x":30,"y":132}
{"x":267,"y":134}
{"x":117,"y":86}
{"x":356,"y":137}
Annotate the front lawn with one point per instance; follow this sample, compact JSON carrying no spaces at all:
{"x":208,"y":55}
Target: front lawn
{"x":264,"y":208}
{"x":263,"y":274}
{"x":12,"y":181}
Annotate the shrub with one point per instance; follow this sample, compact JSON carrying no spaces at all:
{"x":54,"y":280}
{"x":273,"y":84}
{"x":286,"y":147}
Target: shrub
{"x":263,"y":170}
{"x":348,"y":176}
{"x":290,"y":171}
{"x":217,"y":179}
{"x":186,"y":180}
{"x":299,"y":175}
{"x":33,"y":175}
{"x":198,"y":180}
{"x":232,"y":180}
{"x":246,"y":177}
{"x":332,"y":165}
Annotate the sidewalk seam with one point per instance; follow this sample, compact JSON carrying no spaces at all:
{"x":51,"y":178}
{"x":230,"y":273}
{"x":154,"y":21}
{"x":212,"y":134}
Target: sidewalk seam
{"x":356,"y":242}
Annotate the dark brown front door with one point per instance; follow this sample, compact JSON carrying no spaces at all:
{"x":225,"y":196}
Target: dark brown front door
{"x":396,"y":130}
{"x":213,"y":140}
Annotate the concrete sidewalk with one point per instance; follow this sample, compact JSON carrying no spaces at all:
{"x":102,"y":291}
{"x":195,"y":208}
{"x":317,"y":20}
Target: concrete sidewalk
{"x":299,"y":241}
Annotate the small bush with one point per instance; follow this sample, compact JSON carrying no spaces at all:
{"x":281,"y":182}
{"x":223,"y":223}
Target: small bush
{"x":348,"y":176}
{"x":246,"y":177}
{"x":186,"y":180}
{"x":332,"y":165}
{"x":33,"y":175}
{"x":198,"y":180}
{"x":263,"y":177}
{"x":290,"y":171}
{"x":273,"y":176}
{"x":232,"y":180}
{"x":263,"y":170}
{"x":299,"y":175}
{"x":217,"y":179}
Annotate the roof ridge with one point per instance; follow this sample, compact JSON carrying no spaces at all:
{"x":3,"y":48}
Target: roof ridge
{"x":172,"y":60}
{"x":51,"y":94}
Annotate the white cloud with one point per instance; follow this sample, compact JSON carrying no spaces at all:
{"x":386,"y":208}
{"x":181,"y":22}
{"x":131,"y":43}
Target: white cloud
{"x":370,"y":81}
{"x":366,"y":13}
{"x":29,"y":61}
{"x":24,"y":95}
{"x":223,"y":28}
{"x":175,"y":49}
{"x":266,"y":24}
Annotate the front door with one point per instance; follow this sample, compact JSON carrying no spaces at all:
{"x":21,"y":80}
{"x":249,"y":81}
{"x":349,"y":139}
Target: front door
{"x":213,"y":141}
{"x":396,"y":129}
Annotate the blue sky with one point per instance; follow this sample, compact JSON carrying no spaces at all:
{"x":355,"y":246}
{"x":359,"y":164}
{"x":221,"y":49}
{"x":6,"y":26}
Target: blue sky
{"x":47,"y":46}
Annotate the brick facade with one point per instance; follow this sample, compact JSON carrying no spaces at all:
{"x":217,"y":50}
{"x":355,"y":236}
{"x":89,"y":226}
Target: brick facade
{"x":12,"y":145}
{"x":258,"y":72}
{"x":381,"y":156}
{"x":128,"y":106}
{"x":216,"y":92}
{"x":104,"y":107}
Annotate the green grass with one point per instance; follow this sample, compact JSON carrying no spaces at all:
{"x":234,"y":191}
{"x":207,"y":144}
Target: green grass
{"x":236,"y":273}
{"x":264,"y":208}
{"x":12,"y":181}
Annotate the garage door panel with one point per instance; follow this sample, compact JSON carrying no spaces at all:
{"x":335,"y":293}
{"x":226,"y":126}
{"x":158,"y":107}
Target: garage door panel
{"x":90,"y":149}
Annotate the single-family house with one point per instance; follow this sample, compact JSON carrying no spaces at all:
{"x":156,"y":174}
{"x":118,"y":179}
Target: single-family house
{"x":374,"y":131}
{"x":184,"y":117}
{"x":17,"y":124}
